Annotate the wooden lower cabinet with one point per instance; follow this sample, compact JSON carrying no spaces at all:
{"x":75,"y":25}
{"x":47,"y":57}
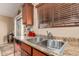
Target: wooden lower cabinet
{"x":38,"y":53}
{"x":24,"y":53}
{"x":27,"y":50}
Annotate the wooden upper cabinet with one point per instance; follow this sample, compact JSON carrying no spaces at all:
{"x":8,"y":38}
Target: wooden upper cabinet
{"x":24,"y":14}
{"x":27,"y":14}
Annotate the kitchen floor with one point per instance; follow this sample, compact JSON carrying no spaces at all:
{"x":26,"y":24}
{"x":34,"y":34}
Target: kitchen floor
{"x":8,"y":50}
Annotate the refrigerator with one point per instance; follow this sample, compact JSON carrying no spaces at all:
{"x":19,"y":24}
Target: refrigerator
{"x":18,"y":26}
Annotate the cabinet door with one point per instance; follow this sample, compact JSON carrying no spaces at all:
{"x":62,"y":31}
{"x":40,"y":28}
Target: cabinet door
{"x":23,"y":53}
{"x":26,"y":48}
{"x":38,"y":53}
{"x":24,"y":13}
{"x":28,"y":14}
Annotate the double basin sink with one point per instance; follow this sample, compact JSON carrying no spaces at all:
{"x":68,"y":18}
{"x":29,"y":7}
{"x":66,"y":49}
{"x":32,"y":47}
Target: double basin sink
{"x":56,"y":46}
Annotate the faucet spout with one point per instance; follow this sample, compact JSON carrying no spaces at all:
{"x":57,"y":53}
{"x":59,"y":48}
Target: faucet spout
{"x":49,"y":35}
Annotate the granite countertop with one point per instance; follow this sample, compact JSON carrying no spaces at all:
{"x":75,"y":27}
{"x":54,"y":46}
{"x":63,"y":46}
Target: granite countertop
{"x":71,"y":51}
{"x":68,"y":51}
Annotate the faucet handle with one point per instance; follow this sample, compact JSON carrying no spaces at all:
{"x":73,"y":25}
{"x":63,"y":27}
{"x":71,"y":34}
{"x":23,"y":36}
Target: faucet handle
{"x":49,"y":35}
{"x":47,"y":32}
{"x":65,"y":39}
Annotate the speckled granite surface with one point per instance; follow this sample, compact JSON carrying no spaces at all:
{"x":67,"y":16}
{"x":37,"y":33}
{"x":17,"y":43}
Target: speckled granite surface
{"x":72,"y":48}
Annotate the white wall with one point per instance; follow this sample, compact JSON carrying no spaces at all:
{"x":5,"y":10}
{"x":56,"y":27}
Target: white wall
{"x":60,"y":31}
{"x":6,"y":26}
{"x":9,"y":9}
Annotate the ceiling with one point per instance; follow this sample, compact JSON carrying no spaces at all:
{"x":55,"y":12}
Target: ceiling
{"x":9,"y":9}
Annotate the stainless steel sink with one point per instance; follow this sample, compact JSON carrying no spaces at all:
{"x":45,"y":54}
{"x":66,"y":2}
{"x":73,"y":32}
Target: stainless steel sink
{"x":36,"y":40}
{"x":52,"y":44}
{"x":55,"y":45}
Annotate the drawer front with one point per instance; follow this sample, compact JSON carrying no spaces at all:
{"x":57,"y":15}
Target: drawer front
{"x":26,"y":47}
{"x":23,"y":53}
{"x":38,"y":53}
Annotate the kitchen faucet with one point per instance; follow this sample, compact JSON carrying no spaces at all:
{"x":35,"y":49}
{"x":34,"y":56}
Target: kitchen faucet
{"x":49,"y":35}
